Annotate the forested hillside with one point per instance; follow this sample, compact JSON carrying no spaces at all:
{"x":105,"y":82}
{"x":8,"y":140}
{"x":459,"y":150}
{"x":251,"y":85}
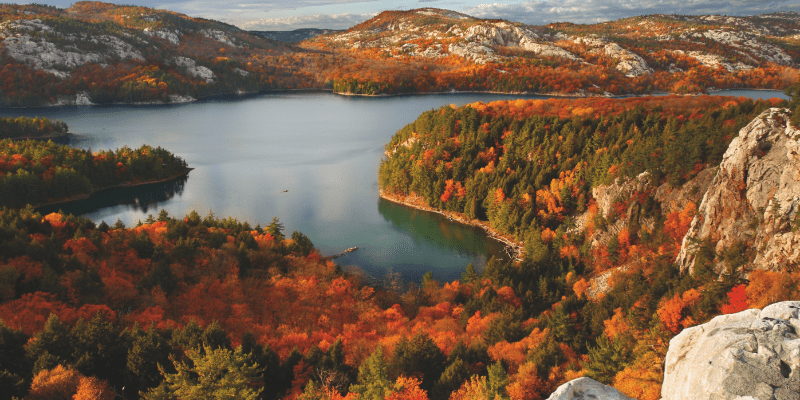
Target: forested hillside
{"x":528,"y":165}
{"x":179,"y":306}
{"x":438,"y":50}
{"x":96,"y":52}
{"x":100,"y":53}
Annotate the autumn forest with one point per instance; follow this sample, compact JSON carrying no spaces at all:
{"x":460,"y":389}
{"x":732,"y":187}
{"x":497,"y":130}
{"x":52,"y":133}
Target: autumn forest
{"x":594,"y":194}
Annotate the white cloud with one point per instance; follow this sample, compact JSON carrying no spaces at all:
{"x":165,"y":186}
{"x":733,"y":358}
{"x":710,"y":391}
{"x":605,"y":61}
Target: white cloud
{"x":538,"y":12}
{"x":328,"y":21}
{"x":342,"y":14}
{"x":211,"y":6}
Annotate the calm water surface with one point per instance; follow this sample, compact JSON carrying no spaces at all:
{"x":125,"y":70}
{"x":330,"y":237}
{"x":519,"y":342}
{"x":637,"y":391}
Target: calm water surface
{"x":310,"y":159}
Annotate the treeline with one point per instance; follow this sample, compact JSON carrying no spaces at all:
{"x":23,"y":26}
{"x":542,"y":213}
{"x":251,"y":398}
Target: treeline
{"x":30,"y":127}
{"x":528,"y":165}
{"x":175,"y":308}
{"x":36,"y":172}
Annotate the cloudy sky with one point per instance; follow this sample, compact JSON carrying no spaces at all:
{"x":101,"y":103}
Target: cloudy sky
{"x":342,"y":14}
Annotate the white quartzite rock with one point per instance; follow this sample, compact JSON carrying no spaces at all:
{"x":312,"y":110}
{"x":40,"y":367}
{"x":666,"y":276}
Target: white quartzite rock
{"x":219,"y":36}
{"x":754,"y":354}
{"x":166,"y":34}
{"x":586,"y":389}
{"x":630,"y":64}
{"x":198,"y":71}
{"x":754,"y":196}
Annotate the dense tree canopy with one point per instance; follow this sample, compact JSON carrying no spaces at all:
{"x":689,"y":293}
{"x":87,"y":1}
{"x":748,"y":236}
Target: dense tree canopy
{"x":36,"y":172}
{"x":175,"y":307}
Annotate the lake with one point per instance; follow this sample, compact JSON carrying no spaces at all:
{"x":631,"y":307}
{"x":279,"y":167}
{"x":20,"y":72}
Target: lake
{"x":310,"y":159}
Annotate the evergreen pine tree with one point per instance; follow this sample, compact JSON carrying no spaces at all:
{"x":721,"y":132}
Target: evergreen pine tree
{"x":211,"y":374}
{"x":53,"y":346}
{"x":373,"y":377}
{"x":215,"y":337}
{"x":148,"y":350}
{"x":419,"y":355}
{"x":451,"y":379}
{"x":15,"y":366}
{"x":605,"y":360}
{"x":99,"y":350}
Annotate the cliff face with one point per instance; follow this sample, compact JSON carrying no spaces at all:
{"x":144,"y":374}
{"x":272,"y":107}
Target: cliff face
{"x":670,"y":199}
{"x":754,"y":196}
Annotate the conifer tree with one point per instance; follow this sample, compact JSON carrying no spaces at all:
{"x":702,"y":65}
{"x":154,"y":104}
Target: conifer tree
{"x":421,"y":356}
{"x":99,"y":350}
{"x":52,"y":347}
{"x":794,"y":105}
{"x":15,"y":366}
{"x":608,"y":358}
{"x":270,"y":365}
{"x":452,"y":378}
{"x":373,"y":377}
{"x":497,"y":380}
{"x":211,"y":374}
{"x":215,"y":337}
{"x":147,"y":351}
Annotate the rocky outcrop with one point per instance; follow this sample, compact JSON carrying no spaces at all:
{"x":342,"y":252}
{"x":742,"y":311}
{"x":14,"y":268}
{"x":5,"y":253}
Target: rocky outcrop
{"x":474,"y":51}
{"x":586,"y":389}
{"x":605,"y":196}
{"x":670,"y":199}
{"x":629,"y":63}
{"x":675,"y":199}
{"x":714,"y":61}
{"x":26,"y":41}
{"x":754,"y":354}
{"x":219,"y":36}
{"x":754,"y":197}
{"x":198,"y":71}
{"x":173,"y":37}
{"x":79,"y":99}
{"x":547,"y":50}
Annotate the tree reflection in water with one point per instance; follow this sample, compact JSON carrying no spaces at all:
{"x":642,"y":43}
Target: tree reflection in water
{"x":142,"y":198}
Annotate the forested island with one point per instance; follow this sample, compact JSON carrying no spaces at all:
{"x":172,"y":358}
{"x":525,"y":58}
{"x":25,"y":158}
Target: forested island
{"x":32,"y":128}
{"x":36,"y":172}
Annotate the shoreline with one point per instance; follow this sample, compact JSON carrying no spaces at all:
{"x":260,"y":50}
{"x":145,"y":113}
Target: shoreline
{"x":84,"y":196}
{"x":713,"y":92}
{"x":55,"y":136}
{"x":417,"y":203}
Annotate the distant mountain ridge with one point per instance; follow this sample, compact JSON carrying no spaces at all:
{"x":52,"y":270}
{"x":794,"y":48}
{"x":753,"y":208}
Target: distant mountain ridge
{"x":297,"y":35}
{"x":104,"y":53}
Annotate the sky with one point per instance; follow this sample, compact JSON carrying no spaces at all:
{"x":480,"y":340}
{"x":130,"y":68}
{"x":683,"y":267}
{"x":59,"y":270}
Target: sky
{"x":282,"y":15}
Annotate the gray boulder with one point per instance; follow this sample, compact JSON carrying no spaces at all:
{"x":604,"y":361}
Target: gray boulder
{"x":586,"y":389}
{"x":753,"y":354}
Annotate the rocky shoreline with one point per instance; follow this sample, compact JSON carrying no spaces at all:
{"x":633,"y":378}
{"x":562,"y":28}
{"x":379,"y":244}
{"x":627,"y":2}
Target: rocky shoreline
{"x":418,"y":203}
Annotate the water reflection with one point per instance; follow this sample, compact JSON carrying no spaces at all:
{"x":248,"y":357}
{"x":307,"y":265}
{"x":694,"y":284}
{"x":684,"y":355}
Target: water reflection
{"x":144,"y":198}
{"x":438,"y":230}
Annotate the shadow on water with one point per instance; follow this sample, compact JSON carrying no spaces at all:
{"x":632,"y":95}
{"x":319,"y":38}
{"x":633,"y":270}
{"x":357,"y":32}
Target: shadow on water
{"x":438,"y":230}
{"x":144,"y":198}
